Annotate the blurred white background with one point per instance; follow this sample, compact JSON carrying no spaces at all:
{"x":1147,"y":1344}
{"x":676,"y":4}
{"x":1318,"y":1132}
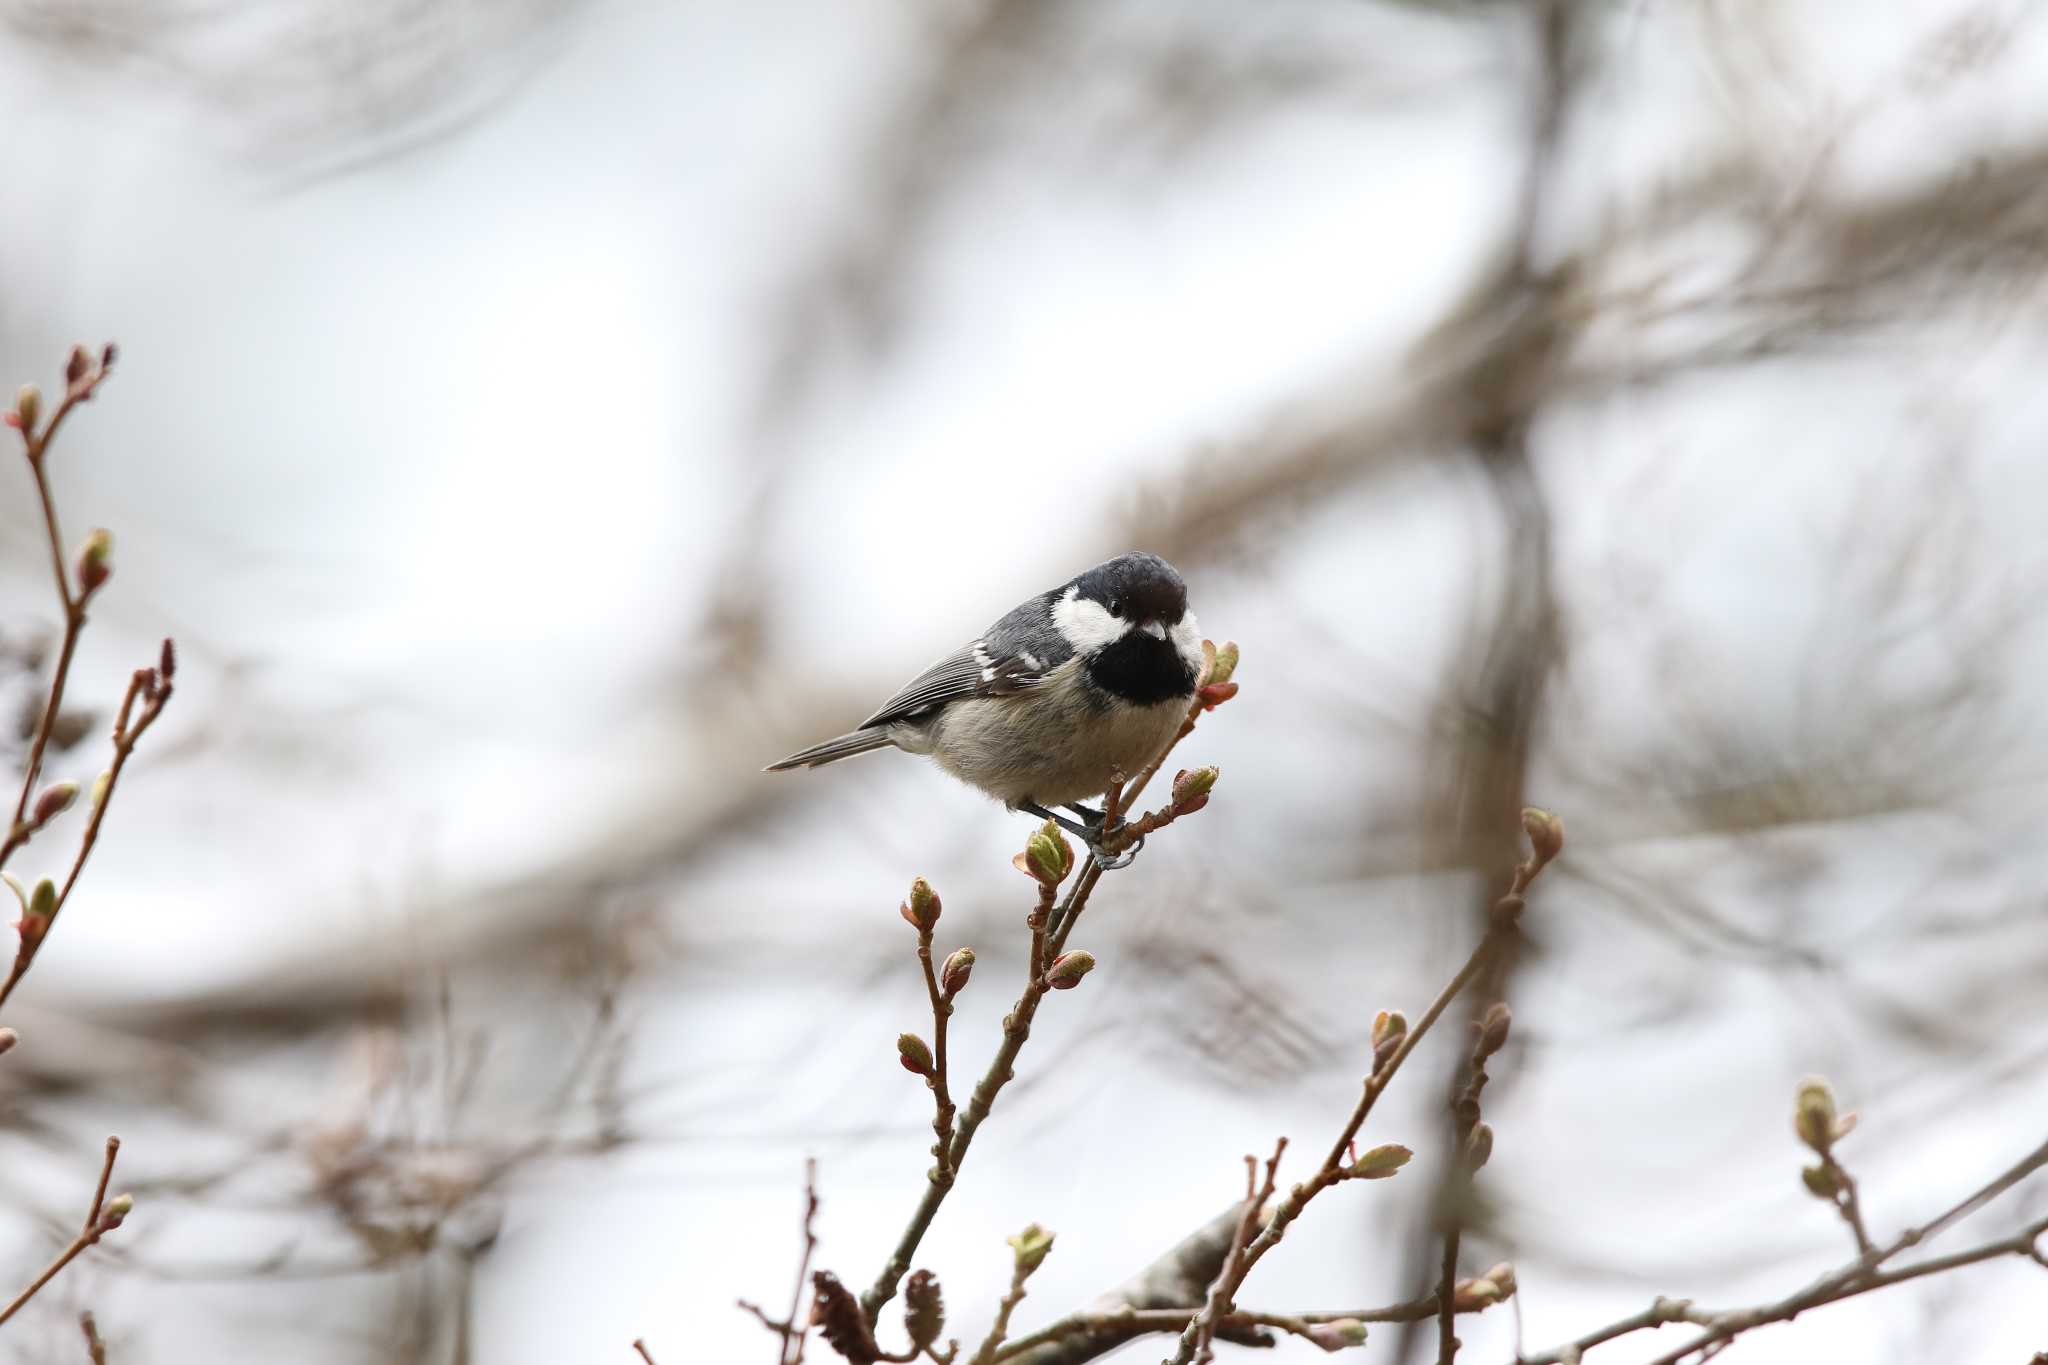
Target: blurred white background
{"x":536,"y":415}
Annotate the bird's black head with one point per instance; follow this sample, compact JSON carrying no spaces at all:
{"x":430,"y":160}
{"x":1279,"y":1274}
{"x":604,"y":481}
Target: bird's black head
{"x":1128,"y":621}
{"x":1138,"y":588}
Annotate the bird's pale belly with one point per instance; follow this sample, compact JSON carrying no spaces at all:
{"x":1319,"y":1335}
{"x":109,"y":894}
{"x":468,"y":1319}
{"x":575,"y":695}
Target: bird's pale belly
{"x":1054,"y":747}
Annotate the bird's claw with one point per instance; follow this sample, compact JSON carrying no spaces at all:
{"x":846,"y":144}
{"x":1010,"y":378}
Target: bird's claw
{"x":1110,"y":862}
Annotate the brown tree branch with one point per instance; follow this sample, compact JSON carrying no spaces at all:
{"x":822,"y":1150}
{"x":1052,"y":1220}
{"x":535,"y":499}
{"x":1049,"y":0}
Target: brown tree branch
{"x":1858,"y":1277}
{"x":1546,"y":837}
{"x":102,"y":1218}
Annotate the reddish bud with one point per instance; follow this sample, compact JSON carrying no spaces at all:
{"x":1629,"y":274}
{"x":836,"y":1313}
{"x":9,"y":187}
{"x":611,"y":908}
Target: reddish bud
{"x":78,"y":367}
{"x":109,"y":353}
{"x":167,"y":660}
{"x":1213,"y":695}
{"x":116,"y":1209}
{"x":1191,"y":789}
{"x":915,"y":1056}
{"x":93,"y":559}
{"x":8,"y":1038}
{"x":953,"y":975}
{"x":55,"y":800}
{"x":1068,"y":968}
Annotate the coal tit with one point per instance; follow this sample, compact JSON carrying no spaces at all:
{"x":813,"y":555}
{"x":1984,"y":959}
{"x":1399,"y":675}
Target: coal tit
{"x":1070,"y":692}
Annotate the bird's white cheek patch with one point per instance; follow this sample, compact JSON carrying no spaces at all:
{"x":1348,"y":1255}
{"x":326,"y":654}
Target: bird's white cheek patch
{"x":1087,"y":625}
{"x":1187,"y":641}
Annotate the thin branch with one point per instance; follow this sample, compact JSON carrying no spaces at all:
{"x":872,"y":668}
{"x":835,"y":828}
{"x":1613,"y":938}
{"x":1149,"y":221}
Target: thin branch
{"x":1858,"y":1277}
{"x":95,"y":1349}
{"x":800,"y":1334}
{"x":645,"y":1354}
{"x":99,"y":1194}
{"x":1120,"y":1325}
{"x":1447,"y":1283}
{"x":1503,"y":924}
{"x":1849,"y":1206}
{"x":1231,"y":1275}
{"x":990,"y":1350}
{"x":103,"y":1218}
{"x":942,"y":1010}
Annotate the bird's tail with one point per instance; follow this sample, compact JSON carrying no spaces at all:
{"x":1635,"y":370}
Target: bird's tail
{"x":832,"y":750}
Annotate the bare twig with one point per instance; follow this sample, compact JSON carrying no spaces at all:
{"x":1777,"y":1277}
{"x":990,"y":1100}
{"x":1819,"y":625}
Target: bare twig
{"x":1020,"y":1273}
{"x":103,"y":1218}
{"x":152,"y":686}
{"x":1096,"y":1333}
{"x":799,"y":1332}
{"x":645,"y":1354}
{"x":942,"y":1010}
{"x":1860,"y":1276}
{"x":95,"y":1349}
{"x":1256,"y":1195}
{"x":1546,"y":837}
{"x":791,"y":1334}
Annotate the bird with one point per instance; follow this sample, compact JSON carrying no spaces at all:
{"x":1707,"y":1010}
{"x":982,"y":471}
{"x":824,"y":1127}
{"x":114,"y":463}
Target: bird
{"x":1068,"y":693}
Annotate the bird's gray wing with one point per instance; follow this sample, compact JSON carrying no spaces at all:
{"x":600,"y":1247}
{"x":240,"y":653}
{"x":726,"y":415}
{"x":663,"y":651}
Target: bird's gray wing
{"x":973,"y":670}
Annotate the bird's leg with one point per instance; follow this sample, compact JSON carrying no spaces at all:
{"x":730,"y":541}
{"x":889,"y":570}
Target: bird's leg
{"x":1089,"y":834}
{"x":1086,"y":832}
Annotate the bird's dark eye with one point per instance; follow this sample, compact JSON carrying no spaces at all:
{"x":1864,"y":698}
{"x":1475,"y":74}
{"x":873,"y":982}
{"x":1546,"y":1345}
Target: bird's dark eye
{"x":1116,"y":608}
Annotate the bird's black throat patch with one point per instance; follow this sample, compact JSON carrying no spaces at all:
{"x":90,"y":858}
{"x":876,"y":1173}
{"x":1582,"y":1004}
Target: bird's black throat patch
{"x":1140,"y":670}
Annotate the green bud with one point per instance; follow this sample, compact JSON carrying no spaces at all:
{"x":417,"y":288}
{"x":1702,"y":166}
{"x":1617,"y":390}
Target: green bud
{"x":921,"y":911}
{"x":42,"y":902}
{"x":1379,"y":1163}
{"x":1047,"y":856}
{"x":1032,"y":1246}
{"x":1224,"y":663}
{"x":100,"y":786}
{"x":1820,"y":1182}
{"x":1814,"y":1117}
{"x":28,"y":405}
{"x":116,"y":1209}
